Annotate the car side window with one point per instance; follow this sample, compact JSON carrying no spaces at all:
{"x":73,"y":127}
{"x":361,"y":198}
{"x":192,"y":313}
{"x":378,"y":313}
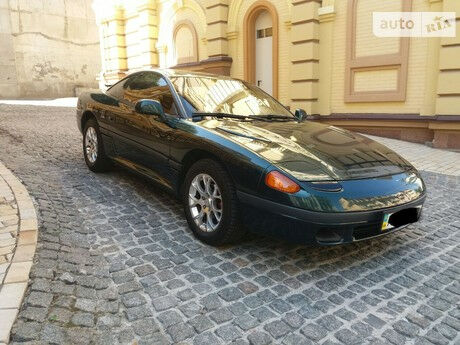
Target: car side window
{"x":117,"y":90}
{"x":150,"y":85}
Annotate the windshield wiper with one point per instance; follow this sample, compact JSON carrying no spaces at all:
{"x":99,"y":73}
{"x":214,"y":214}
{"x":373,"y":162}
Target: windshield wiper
{"x":277,"y":117}
{"x":199,"y":116}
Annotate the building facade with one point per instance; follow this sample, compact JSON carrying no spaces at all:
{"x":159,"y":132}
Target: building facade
{"x":47,"y":48}
{"x":319,"y":55}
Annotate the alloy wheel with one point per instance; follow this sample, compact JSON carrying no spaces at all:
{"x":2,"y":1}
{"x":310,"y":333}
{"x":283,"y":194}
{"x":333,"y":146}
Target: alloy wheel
{"x":205,"y":202}
{"x":91,"y":145}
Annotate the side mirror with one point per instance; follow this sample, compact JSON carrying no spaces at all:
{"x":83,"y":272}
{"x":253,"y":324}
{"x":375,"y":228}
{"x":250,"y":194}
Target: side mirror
{"x":149,"y":107}
{"x":300,"y":114}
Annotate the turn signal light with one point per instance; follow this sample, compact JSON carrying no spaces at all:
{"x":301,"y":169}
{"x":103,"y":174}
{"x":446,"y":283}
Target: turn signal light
{"x":278,"y":181}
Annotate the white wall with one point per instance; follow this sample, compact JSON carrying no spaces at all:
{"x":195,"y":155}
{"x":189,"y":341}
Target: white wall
{"x":48,"y":48}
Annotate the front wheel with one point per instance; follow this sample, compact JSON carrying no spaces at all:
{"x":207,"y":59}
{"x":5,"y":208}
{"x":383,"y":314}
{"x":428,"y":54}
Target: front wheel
{"x":211,"y":205}
{"x":93,"y":148}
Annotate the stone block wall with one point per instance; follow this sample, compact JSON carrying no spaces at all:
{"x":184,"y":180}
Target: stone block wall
{"x":47,"y":48}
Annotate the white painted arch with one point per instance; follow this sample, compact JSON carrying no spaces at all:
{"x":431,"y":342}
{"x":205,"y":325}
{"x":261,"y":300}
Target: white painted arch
{"x":234,"y":12}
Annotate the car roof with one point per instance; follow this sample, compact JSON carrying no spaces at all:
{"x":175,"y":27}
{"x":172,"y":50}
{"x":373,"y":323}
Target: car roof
{"x":168,"y":72}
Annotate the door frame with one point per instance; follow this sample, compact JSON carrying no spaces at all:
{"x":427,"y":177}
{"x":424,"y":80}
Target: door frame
{"x":250,"y":42}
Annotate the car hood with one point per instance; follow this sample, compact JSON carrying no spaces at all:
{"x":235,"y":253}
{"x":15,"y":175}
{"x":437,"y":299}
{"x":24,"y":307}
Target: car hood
{"x":312,"y":151}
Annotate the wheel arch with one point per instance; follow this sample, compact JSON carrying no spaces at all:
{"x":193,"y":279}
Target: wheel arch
{"x":191,"y":158}
{"x":87,"y":115}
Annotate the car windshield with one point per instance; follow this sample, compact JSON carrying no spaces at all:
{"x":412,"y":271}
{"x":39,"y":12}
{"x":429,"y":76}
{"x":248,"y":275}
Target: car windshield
{"x":205,"y":94}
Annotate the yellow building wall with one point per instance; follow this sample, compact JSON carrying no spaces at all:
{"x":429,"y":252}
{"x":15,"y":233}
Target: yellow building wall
{"x":312,"y":50}
{"x":132,"y":37}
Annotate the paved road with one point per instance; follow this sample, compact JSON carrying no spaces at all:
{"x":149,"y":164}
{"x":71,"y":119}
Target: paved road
{"x":116,"y":262}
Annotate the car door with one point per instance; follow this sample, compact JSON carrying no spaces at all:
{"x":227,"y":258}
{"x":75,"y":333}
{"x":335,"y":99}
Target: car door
{"x":106,"y":106}
{"x":143,"y":141}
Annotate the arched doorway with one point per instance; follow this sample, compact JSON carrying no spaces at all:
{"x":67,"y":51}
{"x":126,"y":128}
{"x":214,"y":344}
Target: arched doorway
{"x":261,"y":46}
{"x":264,"y":52}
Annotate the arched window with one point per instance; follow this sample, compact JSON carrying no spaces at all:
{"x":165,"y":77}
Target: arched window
{"x":185,"y":43}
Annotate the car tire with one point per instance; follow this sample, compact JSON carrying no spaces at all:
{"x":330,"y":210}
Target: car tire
{"x":199,"y":211}
{"x":93,"y":148}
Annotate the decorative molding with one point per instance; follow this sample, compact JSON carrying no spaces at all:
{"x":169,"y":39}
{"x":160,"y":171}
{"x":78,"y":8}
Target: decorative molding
{"x":147,"y":5}
{"x":131,"y":15}
{"x":179,"y":4}
{"x":300,"y":2}
{"x":218,"y":22}
{"x":372,"y":116}
{"x":326,"y":10}
{"x":305,"y":21}
{"x":217,"y":5}
{"x":314,"y":40}
{"x":162,"y":49}
{"x":386,"y":117}
{"x":232,"y":35}
{"x":326,"y":14}
{"x":398,"y":61}
{"x":440,"y":134}
{"x":217,"y":39}
{"x":218,"y":65}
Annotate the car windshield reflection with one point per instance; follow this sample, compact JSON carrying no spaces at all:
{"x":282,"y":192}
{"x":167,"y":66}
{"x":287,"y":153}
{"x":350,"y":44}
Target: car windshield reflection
{"x":229,"y":96}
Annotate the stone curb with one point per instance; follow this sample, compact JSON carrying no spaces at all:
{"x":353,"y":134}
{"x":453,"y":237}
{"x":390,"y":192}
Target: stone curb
{"x":18,"y":266}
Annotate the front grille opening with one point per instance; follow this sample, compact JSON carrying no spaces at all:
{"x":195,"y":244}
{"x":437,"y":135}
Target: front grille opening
{"x":404,"y":217}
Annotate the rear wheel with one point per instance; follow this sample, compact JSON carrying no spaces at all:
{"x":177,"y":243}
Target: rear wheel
{"x":93,"y":148}
{"x":211,"y":205}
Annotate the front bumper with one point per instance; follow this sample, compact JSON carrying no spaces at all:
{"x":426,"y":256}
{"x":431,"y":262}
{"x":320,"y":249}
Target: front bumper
{"x":324,"y":228}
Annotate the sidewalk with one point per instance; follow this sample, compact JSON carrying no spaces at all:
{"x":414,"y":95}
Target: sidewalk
{"x":423,"y":157}
{"x":18,"y":241}
{"x":70,"y":102}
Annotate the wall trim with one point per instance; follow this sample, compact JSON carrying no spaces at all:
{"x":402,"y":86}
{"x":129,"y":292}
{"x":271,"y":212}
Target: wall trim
{"x":386,"y":116}
{"x":443,"y":131}
{"x":218,"y":65}
{"x":217,"y":5}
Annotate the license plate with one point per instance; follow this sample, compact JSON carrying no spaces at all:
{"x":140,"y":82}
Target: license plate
{"x":385,"y":224}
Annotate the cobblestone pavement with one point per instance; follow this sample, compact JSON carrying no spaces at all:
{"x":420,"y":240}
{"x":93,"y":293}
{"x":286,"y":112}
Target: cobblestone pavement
{"x":116,"y":263}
